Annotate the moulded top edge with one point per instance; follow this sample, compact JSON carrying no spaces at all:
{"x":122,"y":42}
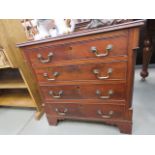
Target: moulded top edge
{"x":127,"y":25}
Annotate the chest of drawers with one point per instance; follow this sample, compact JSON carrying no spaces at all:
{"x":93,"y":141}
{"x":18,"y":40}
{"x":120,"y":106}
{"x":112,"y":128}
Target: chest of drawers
{"x":87,"y":75}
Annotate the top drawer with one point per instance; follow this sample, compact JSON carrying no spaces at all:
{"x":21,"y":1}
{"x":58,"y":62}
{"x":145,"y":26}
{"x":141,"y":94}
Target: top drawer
{"x":93,"y":48}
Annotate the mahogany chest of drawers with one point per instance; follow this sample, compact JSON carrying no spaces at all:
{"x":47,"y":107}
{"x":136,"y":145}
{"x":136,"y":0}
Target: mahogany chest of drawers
{"x":87,"y":75}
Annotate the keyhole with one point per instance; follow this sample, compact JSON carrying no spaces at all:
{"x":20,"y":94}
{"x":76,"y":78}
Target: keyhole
{"x":70,"y":48}
{"x":77,"y":87}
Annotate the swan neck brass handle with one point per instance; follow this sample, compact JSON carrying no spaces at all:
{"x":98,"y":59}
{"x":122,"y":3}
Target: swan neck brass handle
{"x":55,"y":74}
{"x":56,"y":96}
{"x":61,"y":113}
{"x":43,"y":60}
{"x":97,"y":72}
{"x":106,"y":116}
{"x":110,"y":92}
{"x":109,"y":48}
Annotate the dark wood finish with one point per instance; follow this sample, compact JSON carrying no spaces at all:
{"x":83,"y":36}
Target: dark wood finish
{"x":79,"y":50}
{"x":78,"y":92}
{"x":83,"y":72}
{"x":149,"y":32}
{"x":95,"y":110}
{"x":85,"y":91}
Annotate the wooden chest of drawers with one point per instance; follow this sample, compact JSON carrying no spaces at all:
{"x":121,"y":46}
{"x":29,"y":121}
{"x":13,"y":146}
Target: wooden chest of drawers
{"x":87,"y":75}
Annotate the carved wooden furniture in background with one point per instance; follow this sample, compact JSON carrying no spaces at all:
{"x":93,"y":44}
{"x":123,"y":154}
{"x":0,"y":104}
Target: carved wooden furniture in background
{"x":149,"y":32}
{"x":87,"y":75}
{"x":17,"y":85}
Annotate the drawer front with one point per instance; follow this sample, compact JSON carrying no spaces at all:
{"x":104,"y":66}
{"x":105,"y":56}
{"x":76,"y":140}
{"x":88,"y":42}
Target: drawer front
{"x":102,"y":92}
{"x":93,"y":48}
{"x":97,"y":111}
{"x":84,"y":72}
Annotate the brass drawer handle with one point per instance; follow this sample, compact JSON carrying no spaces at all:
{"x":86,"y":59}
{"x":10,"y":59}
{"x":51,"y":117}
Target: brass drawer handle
{"x":43,"y":60}
{"x":108,"y":116}
{"x":110,"y":92}
{"x":60,"y":93}
{"x":55,"y":74}
{"x":97,"y":72}
{"x":93,"y":49}
{"x":61,"y":113}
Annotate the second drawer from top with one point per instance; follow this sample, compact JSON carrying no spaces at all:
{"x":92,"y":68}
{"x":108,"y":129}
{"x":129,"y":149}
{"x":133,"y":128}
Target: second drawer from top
{"x":82,"y":72}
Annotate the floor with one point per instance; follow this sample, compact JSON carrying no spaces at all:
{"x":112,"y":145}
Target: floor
{"x":21,"y":121}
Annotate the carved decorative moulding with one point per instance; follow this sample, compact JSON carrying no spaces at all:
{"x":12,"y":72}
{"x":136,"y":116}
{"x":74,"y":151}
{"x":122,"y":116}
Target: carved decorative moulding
{"x":94,"y":23}
{"x":3,"y":59}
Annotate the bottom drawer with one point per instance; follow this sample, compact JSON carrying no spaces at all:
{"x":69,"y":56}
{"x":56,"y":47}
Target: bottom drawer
{"x":77,"y":110}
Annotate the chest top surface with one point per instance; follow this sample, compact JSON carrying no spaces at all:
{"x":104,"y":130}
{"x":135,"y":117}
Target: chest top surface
{"x":83,"y":34}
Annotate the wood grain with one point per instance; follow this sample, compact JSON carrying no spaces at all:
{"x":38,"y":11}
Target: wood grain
{"x":17,"y":98}
{"x":85,"y":91}
{"x":12,"y":32}
{"x":82,"y":72}
{"x":77,"y":93}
